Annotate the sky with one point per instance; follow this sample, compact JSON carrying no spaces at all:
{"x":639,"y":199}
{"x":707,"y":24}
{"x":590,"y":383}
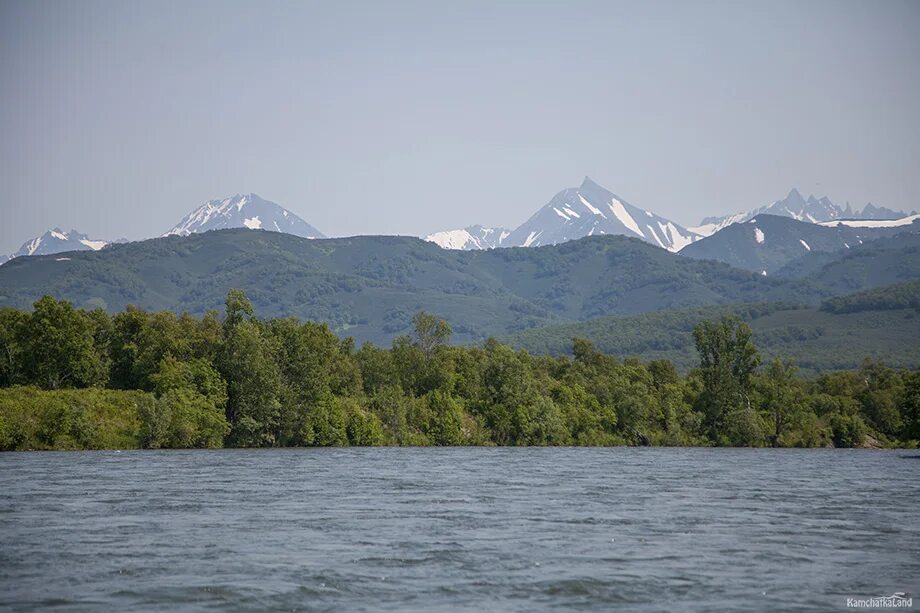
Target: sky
{"x":118,"y":118}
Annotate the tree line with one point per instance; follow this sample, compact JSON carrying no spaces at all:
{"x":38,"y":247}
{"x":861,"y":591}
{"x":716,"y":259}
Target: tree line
{"x":77,"y":379}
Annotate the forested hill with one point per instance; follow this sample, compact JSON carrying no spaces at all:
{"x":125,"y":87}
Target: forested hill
{"x":880,"y":262}
{"x":370,"y":287}
{"x":883,"y":323}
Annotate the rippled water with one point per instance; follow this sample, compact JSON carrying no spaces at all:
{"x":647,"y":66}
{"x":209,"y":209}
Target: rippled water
{"x":492,"y":529}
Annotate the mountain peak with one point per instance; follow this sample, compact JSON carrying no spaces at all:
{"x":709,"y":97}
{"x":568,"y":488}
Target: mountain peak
{"x":813,"y":210}
{"x":592,"y":210}
{"x":595,"y":192}
{"x":871,"y":211}
{"x":244,"y":211}
{"x":56,"y":240}
{"x":250,"y":197}
{"x":794,"y":198}
{"x":573,"y":213}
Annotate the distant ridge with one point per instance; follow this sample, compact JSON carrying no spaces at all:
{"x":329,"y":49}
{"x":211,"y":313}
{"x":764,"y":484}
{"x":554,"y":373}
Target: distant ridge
{"x":54,"y":241}
{"x":767,"y":243}
{"x":573,"y":213}
{"x":795,"y":206}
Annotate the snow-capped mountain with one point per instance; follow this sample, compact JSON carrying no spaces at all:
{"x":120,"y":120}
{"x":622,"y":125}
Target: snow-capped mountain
{"x":794,"y":205}
{"x":244,"y":211}
{"x":56,"y":241}
{"x":470,"y":238}
{"x":590,"y":210}
{"x":766,"y":243}
{"x":575,"y":213}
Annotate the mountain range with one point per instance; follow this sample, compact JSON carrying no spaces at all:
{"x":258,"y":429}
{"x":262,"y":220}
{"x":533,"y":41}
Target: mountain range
{"x":239,"y":211}
{"x":573,"y":213}
{"x":588,"y":263}
{"x":591,"y":209}
{"x":795,"y":206}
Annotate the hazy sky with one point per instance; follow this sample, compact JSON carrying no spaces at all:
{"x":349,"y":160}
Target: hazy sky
{"x":117,"y":118}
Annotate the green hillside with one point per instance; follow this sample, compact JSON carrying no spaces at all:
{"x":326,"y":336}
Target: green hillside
{"x":873,"y":264}
{"x":369,"y":287}
{"x":888,"y":298}
{"x":839,"y":335}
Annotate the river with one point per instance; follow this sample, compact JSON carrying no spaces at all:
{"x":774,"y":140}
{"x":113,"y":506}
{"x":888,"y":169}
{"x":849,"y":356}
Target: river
{"x":457,"y":529}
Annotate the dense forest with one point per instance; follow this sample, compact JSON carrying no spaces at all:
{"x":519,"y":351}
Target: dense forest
{"x":79,"y":379}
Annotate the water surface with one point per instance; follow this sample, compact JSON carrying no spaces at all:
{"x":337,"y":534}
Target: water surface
{"x":488,"y":529}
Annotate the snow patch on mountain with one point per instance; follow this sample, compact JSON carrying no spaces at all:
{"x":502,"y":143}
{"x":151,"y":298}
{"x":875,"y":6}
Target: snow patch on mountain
{"x":533,"y":236}
{"x":470,"y":238}
{"x":625,"y":218}
{"x":590,"y":206}
{"x":872,"y":223}
{"x":711,"y":225}
{"x":94,"y":245}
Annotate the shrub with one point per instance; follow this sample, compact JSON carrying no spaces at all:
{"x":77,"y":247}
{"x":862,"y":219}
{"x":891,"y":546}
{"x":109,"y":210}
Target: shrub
{"x":847,"y":430}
